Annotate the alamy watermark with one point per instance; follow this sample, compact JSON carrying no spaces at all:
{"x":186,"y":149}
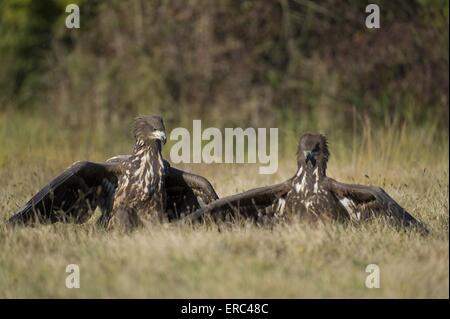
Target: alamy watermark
{"x":73,"y":279}
{"x":373,"y":19}
{"x":373,"y":279}
{"x":229,"y":147}
{"x":73,"y":17}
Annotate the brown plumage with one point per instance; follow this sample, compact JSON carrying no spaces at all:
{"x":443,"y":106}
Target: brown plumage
{"x":310,"y":194}
{"x":128,"y":189}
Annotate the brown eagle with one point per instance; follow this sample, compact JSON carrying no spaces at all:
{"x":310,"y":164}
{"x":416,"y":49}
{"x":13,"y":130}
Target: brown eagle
{"x":310,"y":194}
{"x":128,"y":189}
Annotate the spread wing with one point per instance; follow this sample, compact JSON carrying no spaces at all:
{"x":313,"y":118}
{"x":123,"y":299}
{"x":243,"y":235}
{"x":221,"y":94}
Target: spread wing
{"x":251,"y":203}
{"x":186,"y":192}
{"x":71,"y":196}
{"x":362,"y":202}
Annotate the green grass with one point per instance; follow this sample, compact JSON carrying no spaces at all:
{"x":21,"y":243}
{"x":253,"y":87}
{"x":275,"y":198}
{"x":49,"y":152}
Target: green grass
{"x":289,"y":260}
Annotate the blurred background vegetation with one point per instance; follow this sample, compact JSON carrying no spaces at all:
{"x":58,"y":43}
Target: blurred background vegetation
{"x":295,"y":64}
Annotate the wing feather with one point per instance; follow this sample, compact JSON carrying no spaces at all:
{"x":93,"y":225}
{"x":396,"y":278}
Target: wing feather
{"x":362,"y":202}
{"x":70,"y":195}
{"x":186,"y":192}
{"x":249,"y":203}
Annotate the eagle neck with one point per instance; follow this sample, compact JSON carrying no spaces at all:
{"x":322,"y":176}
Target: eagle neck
{"x":142,"y":147}
{"x":305,"y":169}
{"x":148,"y":154}
{"x":308,"y":178}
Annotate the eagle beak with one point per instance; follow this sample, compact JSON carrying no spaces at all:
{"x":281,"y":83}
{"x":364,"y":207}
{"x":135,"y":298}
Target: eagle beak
{"x":160,"y":135}
{"x":308,"y":156}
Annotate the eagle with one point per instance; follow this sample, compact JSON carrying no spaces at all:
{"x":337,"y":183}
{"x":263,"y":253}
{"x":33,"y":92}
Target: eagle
{"x":129,"y":189}
{"x":310,"y":194}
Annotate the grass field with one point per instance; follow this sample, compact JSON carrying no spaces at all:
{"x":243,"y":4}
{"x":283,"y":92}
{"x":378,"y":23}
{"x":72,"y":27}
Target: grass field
{"x":294,"y":261}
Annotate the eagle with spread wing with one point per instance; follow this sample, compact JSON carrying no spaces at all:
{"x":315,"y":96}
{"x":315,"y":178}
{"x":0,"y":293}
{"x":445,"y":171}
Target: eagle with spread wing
{"x":128,"y":189}
{"x":311,"y":194}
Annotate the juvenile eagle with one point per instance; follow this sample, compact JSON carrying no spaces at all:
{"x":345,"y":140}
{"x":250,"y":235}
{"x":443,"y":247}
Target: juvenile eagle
{"x":310,"y":194}
{"x":128,"y":189}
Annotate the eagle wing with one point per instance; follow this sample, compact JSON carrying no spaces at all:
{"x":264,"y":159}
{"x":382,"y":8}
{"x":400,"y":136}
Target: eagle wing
{"x":251,"y":203}
{"x":71,"y":196}
{"x":362,"y":202}
{"x":186,"y":192}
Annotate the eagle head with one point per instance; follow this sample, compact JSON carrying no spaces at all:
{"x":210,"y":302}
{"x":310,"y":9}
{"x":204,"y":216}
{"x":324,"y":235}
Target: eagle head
{"x":149,"y":128}
{"x":313,"y":150}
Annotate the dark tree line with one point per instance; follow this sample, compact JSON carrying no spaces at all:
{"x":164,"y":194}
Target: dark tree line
{"x":227,"y":59}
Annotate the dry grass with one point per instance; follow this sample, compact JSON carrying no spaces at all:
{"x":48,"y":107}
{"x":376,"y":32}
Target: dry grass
{"x":294,"y":261}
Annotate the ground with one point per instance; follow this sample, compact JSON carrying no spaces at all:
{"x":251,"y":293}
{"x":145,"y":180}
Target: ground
{"x":292,"y":261}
